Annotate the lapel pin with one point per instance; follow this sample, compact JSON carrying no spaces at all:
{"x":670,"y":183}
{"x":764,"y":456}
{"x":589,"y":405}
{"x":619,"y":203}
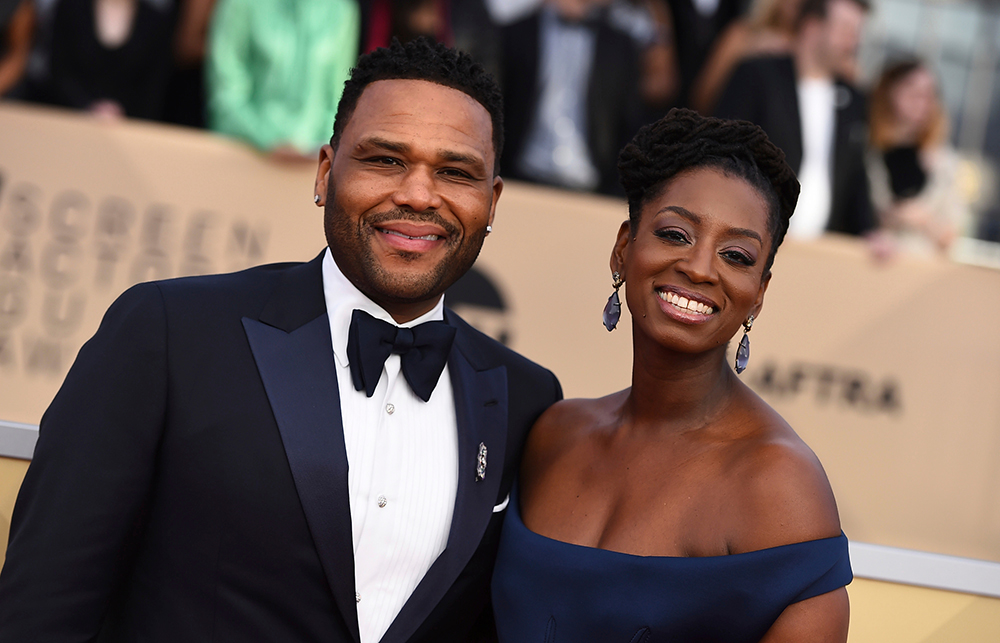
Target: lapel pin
{"x":481,"y":463}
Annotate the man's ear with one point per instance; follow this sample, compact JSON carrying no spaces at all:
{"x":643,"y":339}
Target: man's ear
{"x":620,"y":249}
{"x":326,"y":154}
{"x":497,"y":189}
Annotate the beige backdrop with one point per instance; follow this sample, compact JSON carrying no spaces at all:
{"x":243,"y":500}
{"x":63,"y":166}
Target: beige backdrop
{"x":890,"y":373}
{"x":11,"y":474}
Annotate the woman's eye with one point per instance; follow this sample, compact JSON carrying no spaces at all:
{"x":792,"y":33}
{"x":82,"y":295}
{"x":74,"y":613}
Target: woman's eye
{"x":672,"y":234}
{"x":740,"y":257}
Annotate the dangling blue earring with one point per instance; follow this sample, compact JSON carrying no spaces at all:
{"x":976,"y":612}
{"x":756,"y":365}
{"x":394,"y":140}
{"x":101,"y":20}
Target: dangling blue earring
{"x":613,"y":309}
{"x":743,"y":352}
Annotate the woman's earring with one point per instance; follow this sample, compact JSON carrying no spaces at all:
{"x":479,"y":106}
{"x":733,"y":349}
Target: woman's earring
{"x":316,"y":199}
{"x":613,"y":309}
{"x":743,"y":352}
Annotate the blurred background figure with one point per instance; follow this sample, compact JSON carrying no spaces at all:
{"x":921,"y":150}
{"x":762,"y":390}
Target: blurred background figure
{"x":35,"y":81}
{"x":465,"y":24}
{"x":504,"y":12}
{"x":16,"y":31}
{"x":651,"y":26}
{"x":814,"y":115}
{"x":185,"y":96}
{"x":383,"y":20}
{"x":913,"y":170}
{"x":570,"y":79}
{"x":767,"y":29}
{"x":276,"y":69}
{"x":109,"y":57}
{"x":406,"y":20}
{"x":697,"y":25}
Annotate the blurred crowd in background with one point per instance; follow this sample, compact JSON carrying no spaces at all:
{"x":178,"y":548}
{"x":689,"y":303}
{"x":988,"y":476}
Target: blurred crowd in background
{"x":866,"y":127}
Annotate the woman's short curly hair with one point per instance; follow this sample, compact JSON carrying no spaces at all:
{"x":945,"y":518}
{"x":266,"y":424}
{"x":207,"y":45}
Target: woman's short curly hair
{"x":423,"y":59}
{"x":684,"y":140}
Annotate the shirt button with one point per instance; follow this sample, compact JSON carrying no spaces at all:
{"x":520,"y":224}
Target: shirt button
{"x":357,"y":597}
{"x":390,"y":409}
{"x":382,"y":501}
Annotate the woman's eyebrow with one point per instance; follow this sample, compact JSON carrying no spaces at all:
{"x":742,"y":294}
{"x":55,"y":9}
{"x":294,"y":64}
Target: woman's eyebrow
{"x":695,"y":218}
{"x":746,"y":232}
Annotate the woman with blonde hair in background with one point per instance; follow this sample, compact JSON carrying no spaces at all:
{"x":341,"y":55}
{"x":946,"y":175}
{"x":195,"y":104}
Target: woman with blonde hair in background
{"x":911,"y":166}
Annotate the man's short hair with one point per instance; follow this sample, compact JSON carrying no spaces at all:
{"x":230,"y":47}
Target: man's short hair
{"x":424,"y":59}
{"x":817,"y":9}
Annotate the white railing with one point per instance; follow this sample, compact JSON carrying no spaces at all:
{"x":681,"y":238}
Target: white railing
{"x":875,"y":562}
{"x":17,"y":440}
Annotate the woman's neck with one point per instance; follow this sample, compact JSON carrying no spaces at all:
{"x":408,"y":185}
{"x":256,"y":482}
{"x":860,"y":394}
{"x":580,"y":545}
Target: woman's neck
{"x":905,"y":135}
{"x":678,"y":391}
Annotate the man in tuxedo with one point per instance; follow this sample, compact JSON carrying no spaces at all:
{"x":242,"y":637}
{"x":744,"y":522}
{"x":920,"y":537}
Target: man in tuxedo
{"x":297,"y":452}
{"x":810,"y":110}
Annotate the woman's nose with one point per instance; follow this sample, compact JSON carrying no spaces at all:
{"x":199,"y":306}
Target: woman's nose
{"x":699,"y":265}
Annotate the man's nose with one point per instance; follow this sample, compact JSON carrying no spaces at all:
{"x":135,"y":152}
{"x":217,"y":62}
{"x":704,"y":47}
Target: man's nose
{"x":417,"y":190}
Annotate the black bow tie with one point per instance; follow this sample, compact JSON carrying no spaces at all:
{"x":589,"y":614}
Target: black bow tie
{"x":423,"y":352}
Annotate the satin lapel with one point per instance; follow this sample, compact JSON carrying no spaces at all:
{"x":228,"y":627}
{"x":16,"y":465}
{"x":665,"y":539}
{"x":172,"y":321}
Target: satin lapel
{"x":481,"y":414}
{"x":297,"y":368}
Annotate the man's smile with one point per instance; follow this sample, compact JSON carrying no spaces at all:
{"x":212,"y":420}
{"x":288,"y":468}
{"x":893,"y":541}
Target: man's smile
{"x":426,"y":237}
{"x":411,"y":236}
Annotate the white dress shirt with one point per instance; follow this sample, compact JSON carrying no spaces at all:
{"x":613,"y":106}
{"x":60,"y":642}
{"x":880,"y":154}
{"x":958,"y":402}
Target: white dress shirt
{"x":402,"y":456}
{"x":817,"y":110}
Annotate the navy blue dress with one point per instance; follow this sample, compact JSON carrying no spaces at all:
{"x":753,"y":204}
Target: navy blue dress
{"x":548,"y":591}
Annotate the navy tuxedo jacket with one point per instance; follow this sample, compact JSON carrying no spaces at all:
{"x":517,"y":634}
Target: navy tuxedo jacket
{"x":190,"y":477}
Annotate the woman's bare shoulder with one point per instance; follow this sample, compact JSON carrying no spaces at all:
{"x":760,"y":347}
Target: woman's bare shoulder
{"x":566,"y":418}
{"x":564,"y":425}
{"x":784,"y":494}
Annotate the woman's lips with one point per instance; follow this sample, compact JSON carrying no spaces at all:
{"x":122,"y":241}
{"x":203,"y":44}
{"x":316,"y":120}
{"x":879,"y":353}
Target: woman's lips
{"x":686,"y":308}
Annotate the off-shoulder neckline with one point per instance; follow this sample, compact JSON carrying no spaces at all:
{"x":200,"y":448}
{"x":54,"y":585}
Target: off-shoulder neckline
{"x":515,"y":509}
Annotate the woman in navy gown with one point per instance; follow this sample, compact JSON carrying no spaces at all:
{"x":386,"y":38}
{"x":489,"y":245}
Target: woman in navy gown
{"x":684,"y":508}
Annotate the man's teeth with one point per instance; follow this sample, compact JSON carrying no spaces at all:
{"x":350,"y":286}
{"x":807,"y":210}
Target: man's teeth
{"x":426,"y":237}
{"x":684,"y":303}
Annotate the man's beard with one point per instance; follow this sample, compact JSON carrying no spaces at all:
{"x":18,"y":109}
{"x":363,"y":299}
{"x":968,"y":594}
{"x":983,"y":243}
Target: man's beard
{"x":352,"y":246}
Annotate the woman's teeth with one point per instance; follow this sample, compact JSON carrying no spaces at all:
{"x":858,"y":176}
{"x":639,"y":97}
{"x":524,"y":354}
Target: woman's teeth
{"x":685,"y":304}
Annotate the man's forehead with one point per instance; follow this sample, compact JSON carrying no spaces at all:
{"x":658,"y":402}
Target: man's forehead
{"x":380,"y":90}
{"x":433,"y":105}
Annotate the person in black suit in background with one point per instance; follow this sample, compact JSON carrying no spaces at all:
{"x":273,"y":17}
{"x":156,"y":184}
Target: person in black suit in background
{"x":808,"y":109}
{"x":230,"y":460}
{"x":111,"y":57}
{"x":571,"y":96}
